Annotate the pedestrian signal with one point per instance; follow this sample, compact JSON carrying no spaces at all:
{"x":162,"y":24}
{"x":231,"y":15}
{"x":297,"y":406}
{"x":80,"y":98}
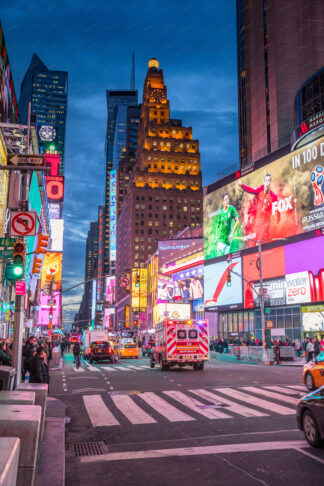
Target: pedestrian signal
{"x":228,"y":278}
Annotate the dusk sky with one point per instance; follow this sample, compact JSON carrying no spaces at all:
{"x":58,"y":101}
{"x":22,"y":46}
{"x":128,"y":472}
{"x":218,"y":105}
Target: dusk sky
{"x":195,"y":43}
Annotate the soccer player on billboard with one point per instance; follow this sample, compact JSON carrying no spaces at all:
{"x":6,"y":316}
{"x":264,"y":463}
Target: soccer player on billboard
{"x":265,"y":198}
{"x":227,"y":222}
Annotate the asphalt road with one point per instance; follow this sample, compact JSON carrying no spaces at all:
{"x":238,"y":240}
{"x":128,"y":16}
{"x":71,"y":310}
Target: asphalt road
{"x":230,"y":424}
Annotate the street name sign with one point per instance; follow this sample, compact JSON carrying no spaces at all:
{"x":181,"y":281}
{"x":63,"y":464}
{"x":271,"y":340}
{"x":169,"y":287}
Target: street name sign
{"x":6,"y":248}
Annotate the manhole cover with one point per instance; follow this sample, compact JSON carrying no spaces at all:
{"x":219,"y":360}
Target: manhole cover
{"x":58,"y":412}
{"x":79,"y":449}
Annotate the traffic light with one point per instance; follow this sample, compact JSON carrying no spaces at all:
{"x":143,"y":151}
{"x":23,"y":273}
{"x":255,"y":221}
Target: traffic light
{"x":228,"y":278}
{"x":41,"y":243}
{"x":50,"y":315}
{"x":137,"y":280}
{"x":18,"y":261}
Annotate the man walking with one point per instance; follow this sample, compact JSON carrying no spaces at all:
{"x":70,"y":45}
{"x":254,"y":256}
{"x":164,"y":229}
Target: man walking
{"x":76,"y":353}
{"x":310,"y":350}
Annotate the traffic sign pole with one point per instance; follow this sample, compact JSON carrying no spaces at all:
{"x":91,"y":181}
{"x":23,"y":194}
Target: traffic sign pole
{"x":18,"y":336}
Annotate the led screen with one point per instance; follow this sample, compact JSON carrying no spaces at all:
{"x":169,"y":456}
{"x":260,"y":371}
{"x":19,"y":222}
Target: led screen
{"x":177,"y":250}
{"x":279,"y":200}
{"x":52,"y":268}
{"x":93,"y":299}
{"x":110,"y":290}
{"x":139,"y":292}
{"x":57,"y":229}
{"x":109,"y":312}
{"x":113,"y":213}
{"x":170,"y":311}
{"x":44,"y":309}
{"x":216,"y":291}
{"x":181,"y":286}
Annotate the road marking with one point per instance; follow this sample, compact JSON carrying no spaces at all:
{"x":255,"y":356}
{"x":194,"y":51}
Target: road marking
{"x":79,"y":369}
{"x":298,"y":387}
{"x":258,"y":402}
{"x":195,"y":451}
{"x":273,"y":395}
{"x":122,"y":368}
{"x":106,"y":368}
{"x":302,"y":451}
{"x":194,"y":405}
{"x":131,"y":410}
{"x":136,"y":367}
{"x":164,"y":408}
{"x":92,"y":368}
{"x":232,"y":406}
{"x":283,"y":390}
{"x":98,"y":412}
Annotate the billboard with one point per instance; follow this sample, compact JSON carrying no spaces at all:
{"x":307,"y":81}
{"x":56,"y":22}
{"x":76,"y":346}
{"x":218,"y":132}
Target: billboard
{"x":93,"y":300}
{"x":52,"y":269}
{"x":170,"y":311}
{"x":279,"y":200}
{"x":108,"y":317}
{"x":112,"y":213}
{"x":216,"y":291}
{"x":57,"y":229}
{"x":139,"y":293}
{"x":44,"y":309}
{"x":175,"y":250}
{"x":110,"y":290}
{"x":181,"y":286}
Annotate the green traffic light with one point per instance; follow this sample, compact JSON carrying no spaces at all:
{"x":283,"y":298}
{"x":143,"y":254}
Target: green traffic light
{"x":18,"y":271}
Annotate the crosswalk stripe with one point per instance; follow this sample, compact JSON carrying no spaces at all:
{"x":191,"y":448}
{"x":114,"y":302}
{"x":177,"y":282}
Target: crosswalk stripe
{"x":122,"y":368}
{"x":79,"y":369}
{"x":232,"y":406}
{"x":92,"y":368}
{"x":135,"y":367}
{"x":195,"y":405}
{"x":298,"y":387}
{"x":273,"y":395}
{"x":131,"y":410}
{"x":164,"y":408}
{"x":259,"y":402}
{"x":280,"y":389}
{"x":98,"y":412}
{"x":107,"y":368}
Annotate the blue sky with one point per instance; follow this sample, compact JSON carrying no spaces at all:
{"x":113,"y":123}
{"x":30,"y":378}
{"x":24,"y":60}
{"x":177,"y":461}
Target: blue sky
{"x":195,"y":43}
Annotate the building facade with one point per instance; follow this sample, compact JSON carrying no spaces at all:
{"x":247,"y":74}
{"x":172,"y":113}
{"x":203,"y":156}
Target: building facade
{"x":280,"y":43}
{"x":47,"y":90}
{"x":165,"y":193}
{"x":117,"y":103}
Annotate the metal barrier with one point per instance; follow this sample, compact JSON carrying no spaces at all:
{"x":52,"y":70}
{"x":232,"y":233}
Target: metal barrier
{"x":256,"y":352}
{"x":287,"y":352}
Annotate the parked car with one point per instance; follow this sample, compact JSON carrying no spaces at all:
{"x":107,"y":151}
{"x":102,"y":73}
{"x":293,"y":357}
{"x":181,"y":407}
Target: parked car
{"x":310,"y":417}
{"x":128,"y":350}
{"x":147,"y":347}
{"x":103,"y":350}
{"x":313,"y":374}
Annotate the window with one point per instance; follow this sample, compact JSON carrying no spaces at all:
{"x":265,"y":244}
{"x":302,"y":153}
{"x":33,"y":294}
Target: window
{"x":193,"y":334}
{"x":185,"y":208}
{"x":182,"y":334}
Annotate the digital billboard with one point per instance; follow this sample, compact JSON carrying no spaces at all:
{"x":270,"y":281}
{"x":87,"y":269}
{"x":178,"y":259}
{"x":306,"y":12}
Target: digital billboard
{"x":172,"y":250}
{"x":108,"y":317}
{"x":139,"y":288}
{"x":216,"y":291}
{"x":44,"y":309}
{"x":57,"y":229}
{"x":110,"y":289}
{"x":52,"y":269}
{"x":93,"y":300}
{"x":279,"y":200}
{"x":170,"y":311}
{"x":181,"y":286}
{"x":113,"y":213}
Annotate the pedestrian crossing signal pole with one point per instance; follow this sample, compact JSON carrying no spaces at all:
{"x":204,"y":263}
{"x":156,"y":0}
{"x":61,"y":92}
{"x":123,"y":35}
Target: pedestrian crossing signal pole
{"x":265,"y":351}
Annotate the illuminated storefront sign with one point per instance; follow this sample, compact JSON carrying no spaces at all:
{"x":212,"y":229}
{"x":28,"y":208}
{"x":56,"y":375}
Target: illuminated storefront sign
{"x":297,"y":288}
{"x":54,"y":210}
{"x":139,"y":288}
{"x":109,"y":312}
{"x":100,"y":255}
{"x":170,"y":311}
{"x":280,"y":200}
{"x":45,"y":308}
{"x":126,"y":316}
{"x":52,"y":270}
{"x":113,"y":213}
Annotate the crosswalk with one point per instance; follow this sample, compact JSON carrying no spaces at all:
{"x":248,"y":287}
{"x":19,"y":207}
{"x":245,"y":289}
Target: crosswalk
{"x":112,"y":368}
{"x":149,"y":408}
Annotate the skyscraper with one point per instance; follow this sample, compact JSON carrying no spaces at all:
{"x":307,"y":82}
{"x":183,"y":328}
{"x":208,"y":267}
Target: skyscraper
{"x":117,"y":103}
{"x":280,"y":43}
{"x":47,"y":90}
{"x":165,"y":192}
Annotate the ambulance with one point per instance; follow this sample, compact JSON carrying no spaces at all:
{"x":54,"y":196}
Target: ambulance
{"x":180,"y":343}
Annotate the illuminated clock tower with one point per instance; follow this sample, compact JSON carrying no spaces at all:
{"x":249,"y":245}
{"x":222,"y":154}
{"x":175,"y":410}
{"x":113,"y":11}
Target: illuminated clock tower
{"x":164,"y":195}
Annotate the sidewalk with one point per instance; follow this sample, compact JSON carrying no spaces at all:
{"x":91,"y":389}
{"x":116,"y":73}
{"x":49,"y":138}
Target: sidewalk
{"x":233,"y":359}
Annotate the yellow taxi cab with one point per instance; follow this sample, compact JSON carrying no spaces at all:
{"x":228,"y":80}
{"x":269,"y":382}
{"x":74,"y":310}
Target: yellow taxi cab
{"x":313,"y":374}
{"x":129,"y":350}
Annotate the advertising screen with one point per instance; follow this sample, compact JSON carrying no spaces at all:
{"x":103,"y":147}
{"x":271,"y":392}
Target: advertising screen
{"x":216,"y":291}
{"x":109,"y":313}
{"x":181,"y":286}
{"x":113,"y":213}
{"x":172,"y":250}
{"x":44,"y":309}
{"x":52,"y":268}
{"x":93,"y":300}
{"x":110,"y":290}
{"x":139,"y":288}
{"x":170,"y":311}
{"x":57,"y":229}
{"x":279,"y":200}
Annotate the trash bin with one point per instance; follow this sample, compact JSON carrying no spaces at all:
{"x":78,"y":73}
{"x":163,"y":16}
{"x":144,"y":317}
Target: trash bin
{"x":7,"y":377}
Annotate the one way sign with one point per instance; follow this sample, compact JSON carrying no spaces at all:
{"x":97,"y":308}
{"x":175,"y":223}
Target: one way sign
{"x":29,"y":160}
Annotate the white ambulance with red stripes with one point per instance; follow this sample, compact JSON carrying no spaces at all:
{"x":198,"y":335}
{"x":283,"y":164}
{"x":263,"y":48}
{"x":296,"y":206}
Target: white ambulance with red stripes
{"x":180,"y":343}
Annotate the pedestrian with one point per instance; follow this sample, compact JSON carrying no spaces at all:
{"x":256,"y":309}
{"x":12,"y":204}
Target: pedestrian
{"x":29,"y":350}
{"x":298,"y":347}
{"x":38,"y":368}
{"x":5,"y":358}
{"x":68,"y":345}
{"x":277,"y":352}
{"x":317,"y":347}
{"x":225,"y":346}
{"x":62,"y":346}
{"x":76,"y":352}
{"x":310,"y":350}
